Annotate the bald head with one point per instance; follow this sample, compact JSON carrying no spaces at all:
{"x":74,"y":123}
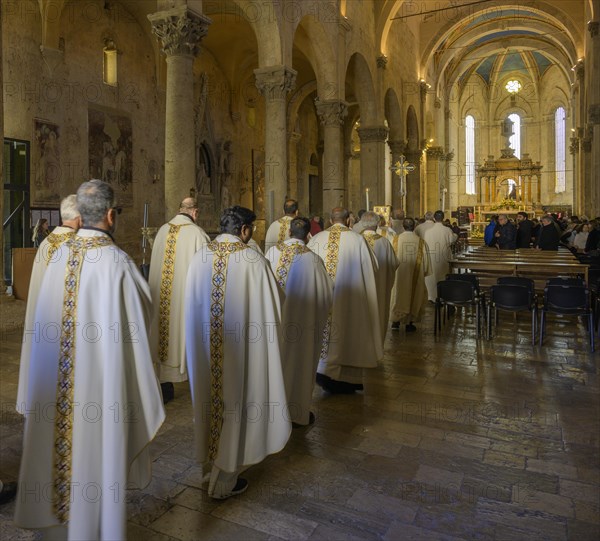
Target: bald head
{"x":189,"y":206}
{"x":339,"y":215}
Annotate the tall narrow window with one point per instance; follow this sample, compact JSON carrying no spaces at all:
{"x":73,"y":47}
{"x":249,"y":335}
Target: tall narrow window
{"x":515,"y":140}
{"x":470,"y":154}
{"x":560,"y":158}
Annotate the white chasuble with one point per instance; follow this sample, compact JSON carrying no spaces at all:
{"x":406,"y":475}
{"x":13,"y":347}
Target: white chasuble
{"x":93,"y":401}
{"x":233,"y":343}
{"x":352,"y":338}
{"x":46,"y":252}
{"x":410,"y":293}
{"x":385,"y":275}
{"x":422,"y":228}
{"x":278,"y":231}
{"x":175,"y":244}
{"x":439,"y":239}
{"x":308,"y":297}
{"x":254,"y":245}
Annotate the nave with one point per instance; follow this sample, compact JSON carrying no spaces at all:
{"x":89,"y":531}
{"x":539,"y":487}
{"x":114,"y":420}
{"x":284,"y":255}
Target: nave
{"x":452,"y":438}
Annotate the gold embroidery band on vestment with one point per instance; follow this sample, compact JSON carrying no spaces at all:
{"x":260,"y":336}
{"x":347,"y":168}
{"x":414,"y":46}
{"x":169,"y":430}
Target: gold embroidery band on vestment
{"x":63,"y":423}
{"x":418,"y":263}
{"x":283,"y":229}
{"x":331,"y":262}
{"x":288,"y":252}
{"x":221,"y":252}
{"x":166,"y":287}
{"x":54,"y":242}
{"x":371,"y":239}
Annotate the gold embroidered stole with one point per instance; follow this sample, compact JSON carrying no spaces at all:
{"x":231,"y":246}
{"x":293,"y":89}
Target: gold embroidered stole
{"x":331,"y":263}
{"x":283,"y":229}
{"x":221,"y":252}
{"x":63,"y":423}
{"x":166,"y":288}
{"x":286,"y":257}
{"x":418,"y":263}
{"x":54,"y":242}
{"x":371,"y":239}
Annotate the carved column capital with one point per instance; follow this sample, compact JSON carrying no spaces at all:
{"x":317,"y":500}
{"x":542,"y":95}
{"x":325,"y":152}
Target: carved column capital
{"x":373,"y":134}
{"x":574,"y":145}
{"x":179,"y":30}
{"x":594,"y":113}
{"x":580,"y":69}
{"x":331,"y":112}
{"x":397,"y":147}
{"x":594,"y":28}
{"x":275,"y":82}
{"x":382,"y":61}
{"x":436,"y":153}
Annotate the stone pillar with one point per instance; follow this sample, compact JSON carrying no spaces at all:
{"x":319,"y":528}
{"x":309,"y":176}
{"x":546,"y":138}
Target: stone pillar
{"x":593,"y":118}
{"x":274,"y":83}
{"x":332,"y":114}
{"x":433,"y":198}
{"x":292,"y":188}
{"x":398,"y":190}
{"x":413,"y":185}
{"x":372,"y":162}
{"x":180,"y":31}
{"x":2,"y":181}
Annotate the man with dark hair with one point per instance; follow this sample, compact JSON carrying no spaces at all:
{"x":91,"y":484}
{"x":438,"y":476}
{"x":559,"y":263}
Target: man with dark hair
{"x":524,"y":228}
{"x":506,"y":235}
{"x":97,"y":380}
{"x":439,"y":239}
{"x":174,"y":246}
{"x":549,"y":237}
{"x":308,"y":297}
{"x":233,"y":351}
{"x":279,"y":230}
{"x":409,"y":295}
{"x":352,"y":337}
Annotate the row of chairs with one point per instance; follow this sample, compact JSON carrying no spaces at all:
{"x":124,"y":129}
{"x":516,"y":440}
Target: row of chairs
{"x":565,"y":296}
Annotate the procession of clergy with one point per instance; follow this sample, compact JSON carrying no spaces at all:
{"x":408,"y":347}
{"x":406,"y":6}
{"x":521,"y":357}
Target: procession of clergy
{"x":251,"y":333}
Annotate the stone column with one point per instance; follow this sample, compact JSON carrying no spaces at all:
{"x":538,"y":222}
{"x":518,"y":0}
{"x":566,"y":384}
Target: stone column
{"x":593,"y":118}
{"x":292,"y":188}
{"x":2,"y":181}
{"x":433,"y":198}
{"x":332,"y":114}
{"x":274,"y":83}
{"x":413,"y":185}
{"x":372,"y":162}
{"x":180,"y":31}
{"x":398,"y":191}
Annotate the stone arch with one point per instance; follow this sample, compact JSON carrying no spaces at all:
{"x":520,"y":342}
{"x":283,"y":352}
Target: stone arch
{"x":412,"y":130}
{"x":393,"y":114}
{"x":359,"y":85}
{"x":313,"y":40}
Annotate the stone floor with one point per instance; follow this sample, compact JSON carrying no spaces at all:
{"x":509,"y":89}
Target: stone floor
{"x":453,"y":438}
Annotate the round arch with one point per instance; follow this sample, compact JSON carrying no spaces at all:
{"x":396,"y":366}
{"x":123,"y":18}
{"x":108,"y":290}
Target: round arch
{"x":393,"y":114}
{"x":360,"y":81}
{"x":412,"y":130}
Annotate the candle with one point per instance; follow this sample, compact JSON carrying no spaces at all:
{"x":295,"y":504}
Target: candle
{"x":367,"y":194}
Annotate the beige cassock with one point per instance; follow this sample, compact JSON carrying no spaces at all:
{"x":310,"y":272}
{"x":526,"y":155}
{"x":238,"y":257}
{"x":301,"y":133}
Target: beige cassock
{"x":352,"y":338}
{"x":421,"y":228}
{"x":308,"y":297}
{"x":278,"y":231}
{"x":176,"y":243}
{"x":439,"y":239}
{"x":93,"y":400}
{"x":46,"y":252}
{"x":385,"y":275}
{"x":233,"y":343}
{"x":410,"y":293}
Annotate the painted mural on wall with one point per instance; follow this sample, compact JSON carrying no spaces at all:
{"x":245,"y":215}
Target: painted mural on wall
{"x":111,"y":151}
{"x":46,"y":168}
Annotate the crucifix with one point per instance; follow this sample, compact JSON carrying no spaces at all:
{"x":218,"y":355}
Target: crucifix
{"x":402,"y":168}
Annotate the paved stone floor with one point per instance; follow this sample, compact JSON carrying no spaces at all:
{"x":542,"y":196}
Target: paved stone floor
{"x":453,"y":438}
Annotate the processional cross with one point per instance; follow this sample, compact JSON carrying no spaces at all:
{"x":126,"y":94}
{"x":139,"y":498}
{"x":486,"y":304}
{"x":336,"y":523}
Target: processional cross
{"x":402,"y":168}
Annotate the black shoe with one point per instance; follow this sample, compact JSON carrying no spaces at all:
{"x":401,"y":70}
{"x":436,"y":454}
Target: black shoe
{"x":322,"y":380}
{"x":8,"y":492}
{"x":395,"y":325}
{"x":410,"y":328}
{"x":240,"y":486}
{"x":168,"y":391}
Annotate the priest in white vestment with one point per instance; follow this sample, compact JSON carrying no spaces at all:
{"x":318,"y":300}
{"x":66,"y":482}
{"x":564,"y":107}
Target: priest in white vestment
{"x":428,"y":223}
{"x":439,"y":239}
{"x":46,"y":252}
{"x":410,"y":293}
{"x":352,"y":337}
{"x":387,"y":263}
{"x":93,"y":400}
{"x":384,"y":230}
{"x":279,"y":230}
{"x":308,"y":297}
{"x":233,"y":343}
{"x":174,"y":246}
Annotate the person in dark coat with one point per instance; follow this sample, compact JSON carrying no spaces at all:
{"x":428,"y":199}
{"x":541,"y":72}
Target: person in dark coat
{"x":490,"y":230}
{"x":549,"y":237}
{"x":506,"y":235}
{"x":524,"y":228}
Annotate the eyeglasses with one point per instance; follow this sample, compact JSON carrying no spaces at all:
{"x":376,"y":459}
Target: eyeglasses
{"x":118,"y":210}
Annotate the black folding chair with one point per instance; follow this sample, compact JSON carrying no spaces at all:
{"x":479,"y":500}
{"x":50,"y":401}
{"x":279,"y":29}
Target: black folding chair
{"x":569,"y":301}
{"x":566,"y":281}
{"x":456,"y":293}
{"x":512,"y":298}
